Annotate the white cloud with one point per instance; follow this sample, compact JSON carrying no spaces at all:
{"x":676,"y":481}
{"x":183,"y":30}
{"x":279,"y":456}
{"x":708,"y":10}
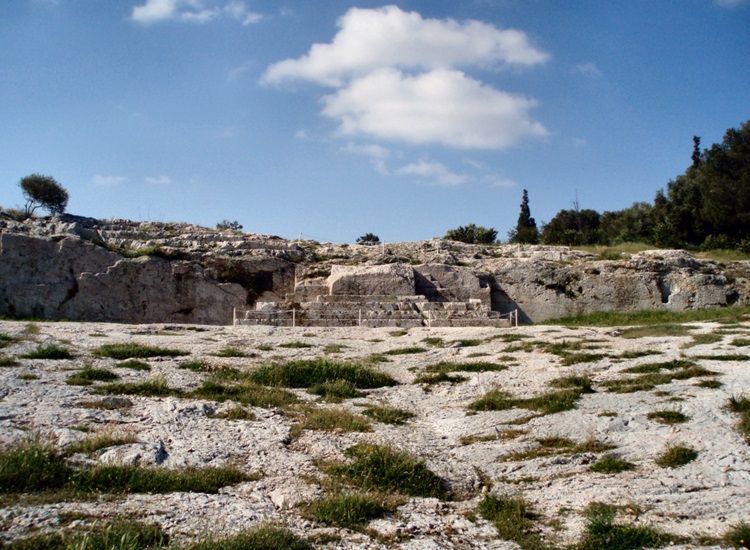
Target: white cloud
{"x":399,"y":76}
{"x":498,"y":181}
{"x":192,"y":11}
{"x":108,"y":181}
{"x":434,"y":171}
{"x":588,"y":68}
{"x":161,"y":180}
{"x":370,"y":39}
{"x":440,"y":106}
{"x":377,"y":154}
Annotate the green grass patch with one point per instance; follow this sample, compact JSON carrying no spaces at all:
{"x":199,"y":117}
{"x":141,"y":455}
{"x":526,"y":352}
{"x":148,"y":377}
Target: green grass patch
{"x":349,"y":510}
{"x":311,"y":372}
{"x":636,"y":354}
{"x":383,"y":468}
{"x":435,"y":341}
{"x":117,"y":534}
{"x":265,"y":537}
{"x":602,"y":533}
{"x":551,"y":446}
{"x":709,"y":384}
{"x":107,"y":404}
{"x":235,"y":413}
{"x":197,"y":365}
{"x":264,"y":347}
{"x":332,"y":420}
{"x":332,"y":349}
{"x":724,"y":357}
{"x":389,"y":415}
{"x":467,"y":342}
{"x":133,"y":364}
{"x":155,"y":387}
{"x":245,"y":392}
{"x":405,"y":351}
{"x":548,"y":403}
{"x":676,"y":456}
{"x":50,"y":351}
{"x":651,"y":317}
{"x":100,"y":440}
{"x":297,"y":344}
{"x":611,"y":464}
{"x":703,"y":339}
{"x":135,"y":351}
{"x":6,"y":361}
{"x":668,"y":329}
{"x":230,"y":352}
{"x":653,"y":375}
{"x":738,"y":536}
{"x":740,"y":342}
{"x":476,"y":366}
{"x":89,"y":375}
{"x":741,"y":407}
{"x":336,"y":391}
{"x":580,"y":382}
{"x":497,"y":436}
{"x":6,"y":340}
{"x":438,"y":377}
{"x":668,"y":417}
{"x":513,"y":519}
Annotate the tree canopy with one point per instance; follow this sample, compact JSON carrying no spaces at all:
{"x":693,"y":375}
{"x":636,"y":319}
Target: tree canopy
{"x":472,"y":234}
{"x":44,"y":191}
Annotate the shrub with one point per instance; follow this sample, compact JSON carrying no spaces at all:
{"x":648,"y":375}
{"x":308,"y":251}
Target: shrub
{"x":368,"y":239}
{"x":472,"y":234}
{"x":676,"y":456}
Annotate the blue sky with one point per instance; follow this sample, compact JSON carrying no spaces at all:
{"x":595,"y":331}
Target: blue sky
{"x":337,"y":118}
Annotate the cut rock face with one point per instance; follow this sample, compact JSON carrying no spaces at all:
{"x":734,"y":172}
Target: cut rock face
{"x":375,"y":280}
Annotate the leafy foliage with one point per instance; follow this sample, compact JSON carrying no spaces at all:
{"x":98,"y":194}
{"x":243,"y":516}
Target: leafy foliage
{"x":44,"y":191}
{"x":368,"y":239}
{"x":472,"y":234}
{"x":525,"y":231}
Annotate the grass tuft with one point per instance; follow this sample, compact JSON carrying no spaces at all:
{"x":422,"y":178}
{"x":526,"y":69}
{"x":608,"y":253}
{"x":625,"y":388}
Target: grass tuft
{"x":135,"y":350}
{"x":230,"y":352}
{"x":235,"y":413}
{"x":676,"y":456}
{"x":602,"y":533}
{"x":349,"y":510}
{"x":89,"y":375}
{"x":265,"y":537}
{"x":336,"y":391}
{"x":548,"y":403}
{"x":245,"y":392}
{"x":333,"y":420}
{"x":310,"y":372}
{"x":513,"y":519}
{"x":575,"y":381}
{"x":133,"y":364}
{"x":405,"y":351}
{"x":738,"y":535}
{"x":389,"y":415}
{"x":611,"y":464}
{"x":50,"y":351}
{"x":668,"y":417}
{"x":741,"y":407}
{"x":155,"y":387}
{"x":120,"y":534}
{"x":295,"y":345}
{"x":379,"y":467}
{"x":6,"y":361}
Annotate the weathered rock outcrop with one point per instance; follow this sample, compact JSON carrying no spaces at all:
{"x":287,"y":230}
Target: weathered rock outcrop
{"x":68,"y":267}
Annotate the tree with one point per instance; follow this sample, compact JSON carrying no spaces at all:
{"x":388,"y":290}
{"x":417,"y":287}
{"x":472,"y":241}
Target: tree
{"x":573,"y":228}
{"x":472,"y":234}
{"x":44,"y":191}
{"x":526,"y":231}
{"x":233,"y":225}
{"x":368,"y":239}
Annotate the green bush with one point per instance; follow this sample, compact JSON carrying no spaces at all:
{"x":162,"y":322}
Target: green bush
{"x":676,"y":456}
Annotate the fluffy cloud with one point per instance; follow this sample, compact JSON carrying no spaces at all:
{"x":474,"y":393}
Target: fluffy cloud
{"x":194,"y":11}
{"x":434,"y":171}
{"x":440,"y":106}
{"x":399,"y":76}
{"x":370,"y":39}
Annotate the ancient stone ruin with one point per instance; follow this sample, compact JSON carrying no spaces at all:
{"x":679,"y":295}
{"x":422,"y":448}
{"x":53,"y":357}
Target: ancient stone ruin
{"x":384,"y":295}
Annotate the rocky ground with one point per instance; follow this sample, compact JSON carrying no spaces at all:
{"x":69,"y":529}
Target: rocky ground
{"x":476,"y":452}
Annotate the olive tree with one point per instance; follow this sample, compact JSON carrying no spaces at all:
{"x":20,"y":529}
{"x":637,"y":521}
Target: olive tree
{"x":44,"y":191}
